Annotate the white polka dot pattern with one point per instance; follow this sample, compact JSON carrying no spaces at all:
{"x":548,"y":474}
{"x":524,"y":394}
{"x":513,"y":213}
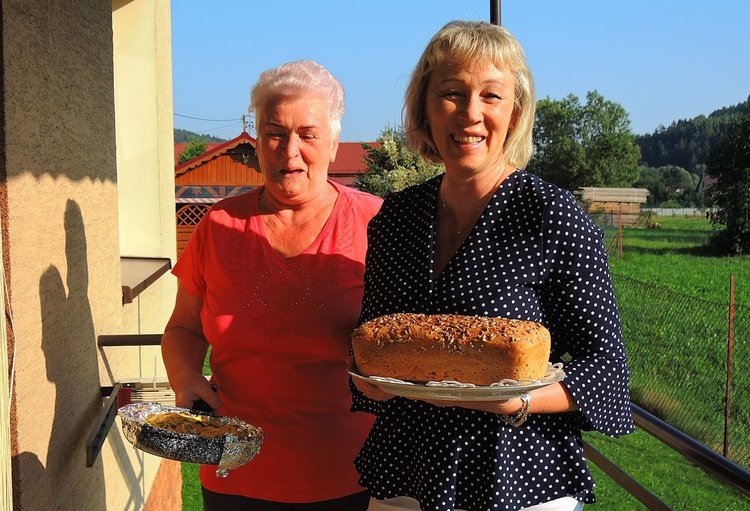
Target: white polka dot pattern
{"x":533,"y":255}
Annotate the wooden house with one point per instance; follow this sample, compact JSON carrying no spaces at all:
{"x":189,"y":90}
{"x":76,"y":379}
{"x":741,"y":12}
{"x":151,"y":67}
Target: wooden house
{"x":706,"y":182}
{"x":224,"y":170}
{"x":613,"y":205}
{"x":229,"y":168}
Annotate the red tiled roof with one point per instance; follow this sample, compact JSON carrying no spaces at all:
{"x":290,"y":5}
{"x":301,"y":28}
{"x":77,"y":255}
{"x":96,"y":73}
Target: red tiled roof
{"x":350,"y":158}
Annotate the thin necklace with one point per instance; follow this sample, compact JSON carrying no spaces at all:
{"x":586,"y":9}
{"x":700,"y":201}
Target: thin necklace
{"x":472,"y":220}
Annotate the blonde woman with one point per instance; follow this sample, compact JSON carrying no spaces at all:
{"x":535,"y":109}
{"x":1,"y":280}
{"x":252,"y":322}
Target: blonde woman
{"x":489,"y":239}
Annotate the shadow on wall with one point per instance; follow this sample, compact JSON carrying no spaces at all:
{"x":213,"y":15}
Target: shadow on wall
{"x":62,"y":481}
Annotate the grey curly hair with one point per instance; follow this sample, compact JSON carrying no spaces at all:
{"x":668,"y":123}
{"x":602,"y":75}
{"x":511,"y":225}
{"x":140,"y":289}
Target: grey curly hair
{"x":300,"y":76}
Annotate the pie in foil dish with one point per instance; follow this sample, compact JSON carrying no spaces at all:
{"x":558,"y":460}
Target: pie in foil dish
{"x":190,"y":436}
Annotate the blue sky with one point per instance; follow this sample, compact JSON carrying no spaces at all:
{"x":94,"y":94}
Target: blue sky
{"x":662,"y":60}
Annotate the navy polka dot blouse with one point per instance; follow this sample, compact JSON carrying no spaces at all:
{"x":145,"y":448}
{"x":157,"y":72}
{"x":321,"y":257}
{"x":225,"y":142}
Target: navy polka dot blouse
{"x":533,"y":255}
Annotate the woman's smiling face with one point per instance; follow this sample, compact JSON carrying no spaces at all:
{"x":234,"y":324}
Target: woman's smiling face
{"x":469,"y":111}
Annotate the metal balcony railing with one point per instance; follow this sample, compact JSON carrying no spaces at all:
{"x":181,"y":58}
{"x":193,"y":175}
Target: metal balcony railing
{"x":710,"y":461}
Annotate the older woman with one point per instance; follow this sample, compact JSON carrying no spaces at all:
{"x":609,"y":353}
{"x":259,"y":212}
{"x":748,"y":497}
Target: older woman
{"x":272,"y":281}
{"x":489,"y":239}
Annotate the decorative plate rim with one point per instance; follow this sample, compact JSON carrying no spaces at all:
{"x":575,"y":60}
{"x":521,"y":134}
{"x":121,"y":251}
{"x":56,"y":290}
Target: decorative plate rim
{"x":457,"y":391}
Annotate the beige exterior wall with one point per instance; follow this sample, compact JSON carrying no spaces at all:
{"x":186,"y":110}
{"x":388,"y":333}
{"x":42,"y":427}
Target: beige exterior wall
{"x":145,"y":141}
{"x":87,"y":177}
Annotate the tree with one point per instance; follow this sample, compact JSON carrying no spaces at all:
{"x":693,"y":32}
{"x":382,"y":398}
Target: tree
{"x":584,"y":145}
{"x":558,"y":153}
{"x":193,"y":148}
{"x":652,"y":179}
{"x":729,"y":163}
{"x":392,"y":166}
{"x":668,"y":183}
{"x":611,"y":154}
{"x":181,"y":136}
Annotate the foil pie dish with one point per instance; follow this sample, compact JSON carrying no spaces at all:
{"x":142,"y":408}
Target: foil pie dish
{"x":228,"y":451}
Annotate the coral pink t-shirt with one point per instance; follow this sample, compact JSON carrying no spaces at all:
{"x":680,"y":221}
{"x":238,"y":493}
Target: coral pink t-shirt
{"x":280,"y":335}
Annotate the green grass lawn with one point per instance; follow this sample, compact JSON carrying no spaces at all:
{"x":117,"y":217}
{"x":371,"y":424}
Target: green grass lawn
{"x":668,"y":324}
{"x":675,"y":256}
{"x":191,"y":488}
{"x":673,"y":263}
{"x":664,"y":472}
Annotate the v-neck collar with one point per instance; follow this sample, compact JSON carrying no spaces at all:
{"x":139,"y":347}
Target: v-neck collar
{"x":255,"y":222}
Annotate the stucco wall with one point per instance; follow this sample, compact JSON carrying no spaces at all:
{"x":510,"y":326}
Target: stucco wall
{"x":62,"y":146}
{"x":143,"y":62}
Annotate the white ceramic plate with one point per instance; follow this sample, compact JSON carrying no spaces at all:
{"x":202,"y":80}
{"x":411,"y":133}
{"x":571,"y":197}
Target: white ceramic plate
{"x":455,"y":391}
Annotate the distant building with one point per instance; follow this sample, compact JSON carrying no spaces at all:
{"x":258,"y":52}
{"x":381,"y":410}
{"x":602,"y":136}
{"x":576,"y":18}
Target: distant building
{"x":619,"y":204}
{"x":704,"y":184}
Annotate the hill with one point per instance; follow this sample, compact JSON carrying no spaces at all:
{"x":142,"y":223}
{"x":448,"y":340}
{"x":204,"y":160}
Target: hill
{"x":181,"y":136}
{"x":686,"y":143}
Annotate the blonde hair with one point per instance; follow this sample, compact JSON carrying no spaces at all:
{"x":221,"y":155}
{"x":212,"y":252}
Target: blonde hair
{"x":301,"y":76}
{"x":461,"y":42}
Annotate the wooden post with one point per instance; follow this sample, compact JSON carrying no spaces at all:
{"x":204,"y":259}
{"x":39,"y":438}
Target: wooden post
{"x":730,"y":363}
{"x":619,"y":230}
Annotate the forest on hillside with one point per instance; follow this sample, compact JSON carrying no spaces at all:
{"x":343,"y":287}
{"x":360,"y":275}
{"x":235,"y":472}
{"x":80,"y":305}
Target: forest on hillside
{"x":686,"y":143}
{"x":673,"y":158}
{"x":589,"y":142}
{"x":183,"y":136}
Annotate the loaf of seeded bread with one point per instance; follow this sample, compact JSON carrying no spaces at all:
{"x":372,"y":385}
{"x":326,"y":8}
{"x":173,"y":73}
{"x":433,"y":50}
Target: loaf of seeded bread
{"x":467,"y":349}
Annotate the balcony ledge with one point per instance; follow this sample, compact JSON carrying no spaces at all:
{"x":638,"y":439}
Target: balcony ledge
{"x":140,"y":272}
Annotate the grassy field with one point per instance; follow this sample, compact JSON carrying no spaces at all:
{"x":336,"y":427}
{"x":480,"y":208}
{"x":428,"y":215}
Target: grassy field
{"x":679,"y":276}
{"x":671,"y":258}
{"x":675,"y":256}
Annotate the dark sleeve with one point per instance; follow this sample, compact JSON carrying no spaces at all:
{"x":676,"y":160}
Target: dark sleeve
{"x":582,"y":316}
